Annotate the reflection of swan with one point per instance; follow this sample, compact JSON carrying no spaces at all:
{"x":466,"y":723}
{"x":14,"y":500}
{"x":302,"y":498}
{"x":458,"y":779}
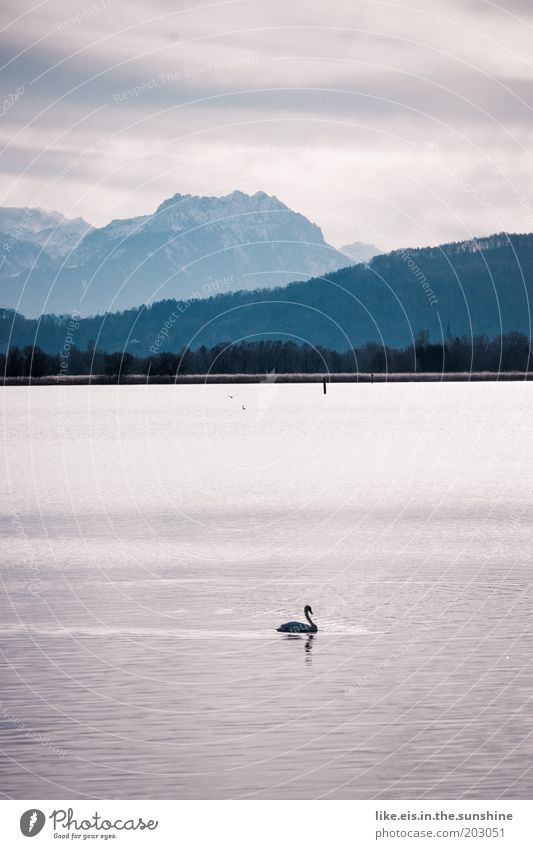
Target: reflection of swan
{"x":308,"y":643}
{"x":300,"y":627}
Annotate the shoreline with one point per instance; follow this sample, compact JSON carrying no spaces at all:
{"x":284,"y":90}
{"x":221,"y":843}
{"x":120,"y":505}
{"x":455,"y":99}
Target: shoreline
{"x":196,"y":379}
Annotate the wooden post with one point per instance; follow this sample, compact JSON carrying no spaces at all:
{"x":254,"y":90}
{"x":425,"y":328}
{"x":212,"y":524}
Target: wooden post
{"x":324,"y":385}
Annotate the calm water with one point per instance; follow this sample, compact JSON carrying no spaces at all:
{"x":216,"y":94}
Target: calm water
{"x":154,"y":537}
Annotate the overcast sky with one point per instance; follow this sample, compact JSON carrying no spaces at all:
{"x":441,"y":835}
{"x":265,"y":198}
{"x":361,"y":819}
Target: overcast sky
{"x":382,"y":122}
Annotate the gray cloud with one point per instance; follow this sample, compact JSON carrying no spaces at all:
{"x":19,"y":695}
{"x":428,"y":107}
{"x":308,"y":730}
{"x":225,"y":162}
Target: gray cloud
{"x":413,"y":123}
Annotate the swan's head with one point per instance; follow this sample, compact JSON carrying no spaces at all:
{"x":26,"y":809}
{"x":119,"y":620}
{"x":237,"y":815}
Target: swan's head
{"x":307,"y":609}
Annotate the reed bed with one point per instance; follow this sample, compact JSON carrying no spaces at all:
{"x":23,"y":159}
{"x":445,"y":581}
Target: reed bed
{"x":342,"y":377}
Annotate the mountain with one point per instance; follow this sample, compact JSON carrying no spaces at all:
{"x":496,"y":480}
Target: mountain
{"x":21,"y":257}
{"x":189,"y":247}
{"x":360,"y":251}
{"x":51,"y":233}
{"x":478,"y":287}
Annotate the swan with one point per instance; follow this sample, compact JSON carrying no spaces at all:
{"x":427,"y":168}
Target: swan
{"x":300,"y":627}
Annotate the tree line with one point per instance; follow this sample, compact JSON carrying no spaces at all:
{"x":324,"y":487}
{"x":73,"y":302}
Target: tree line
{"x":510,"y":352}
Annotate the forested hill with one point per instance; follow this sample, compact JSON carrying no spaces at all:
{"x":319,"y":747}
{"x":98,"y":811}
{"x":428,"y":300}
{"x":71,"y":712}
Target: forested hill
{"x":481,"y":287}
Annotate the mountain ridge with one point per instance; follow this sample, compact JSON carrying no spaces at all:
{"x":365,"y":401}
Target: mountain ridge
{"x":188,"y":242}
{"x":479,"y":287}
{"x":52,"y":231}
{"x":360,"y":251}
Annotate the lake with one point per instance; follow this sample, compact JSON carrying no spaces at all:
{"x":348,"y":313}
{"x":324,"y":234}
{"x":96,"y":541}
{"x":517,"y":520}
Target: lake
{"x":154,"y":537}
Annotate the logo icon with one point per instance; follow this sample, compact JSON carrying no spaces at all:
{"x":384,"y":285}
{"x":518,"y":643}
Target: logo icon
{"x":32,"y":822}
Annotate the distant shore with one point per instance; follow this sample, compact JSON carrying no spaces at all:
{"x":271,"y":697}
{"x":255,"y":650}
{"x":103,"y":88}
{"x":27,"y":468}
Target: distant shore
{"x":345,"y":377}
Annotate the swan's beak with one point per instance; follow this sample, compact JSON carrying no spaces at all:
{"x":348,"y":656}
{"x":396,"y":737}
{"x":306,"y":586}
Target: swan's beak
{"x":311,"y":611}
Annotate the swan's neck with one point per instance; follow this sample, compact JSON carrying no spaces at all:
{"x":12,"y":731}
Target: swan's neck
{"x":309,"y":618}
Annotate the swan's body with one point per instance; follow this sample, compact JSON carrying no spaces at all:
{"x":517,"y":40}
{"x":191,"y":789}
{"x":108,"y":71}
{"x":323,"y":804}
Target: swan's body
{"x":300,"y":627}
